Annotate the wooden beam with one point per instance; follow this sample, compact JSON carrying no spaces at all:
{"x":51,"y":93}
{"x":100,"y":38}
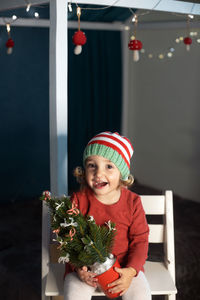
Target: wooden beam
{"x":57,"y":118}
{"x":58,"y":97}
{"x":25,"y":22}
{"x":183,"y":7}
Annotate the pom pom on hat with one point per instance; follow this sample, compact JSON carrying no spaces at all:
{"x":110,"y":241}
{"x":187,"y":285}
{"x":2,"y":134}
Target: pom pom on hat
{"x":113,"y":146}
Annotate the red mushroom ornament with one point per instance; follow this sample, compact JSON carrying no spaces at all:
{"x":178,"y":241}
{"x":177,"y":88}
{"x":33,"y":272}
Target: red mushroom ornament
{"x":9,"y":44}
{"x":136,"y":46}
{"x":79,"y":39}
{"x":187,"y":41}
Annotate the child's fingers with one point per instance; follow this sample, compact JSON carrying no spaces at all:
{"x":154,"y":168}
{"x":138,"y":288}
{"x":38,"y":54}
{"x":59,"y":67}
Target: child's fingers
{"x":84,"y":268}
{"x":116,"y":282}
{"x":122,"y":293}
{"x":116,"y":289}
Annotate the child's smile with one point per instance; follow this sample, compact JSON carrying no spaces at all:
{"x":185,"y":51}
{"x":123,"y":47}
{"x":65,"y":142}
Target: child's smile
{"x":103,"y":178}
{"x":99,"y":185}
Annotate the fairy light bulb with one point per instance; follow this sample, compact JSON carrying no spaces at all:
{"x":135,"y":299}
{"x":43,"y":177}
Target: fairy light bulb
{"x":191,"y":16}
{"x":36,"y":14}
{"x":70,"y":7}
{"x":8,"y":27}
{"x":14,"y":17}
{"x":28,"y":7}
{"x":78,"y":11}
{"x":133,"y":19}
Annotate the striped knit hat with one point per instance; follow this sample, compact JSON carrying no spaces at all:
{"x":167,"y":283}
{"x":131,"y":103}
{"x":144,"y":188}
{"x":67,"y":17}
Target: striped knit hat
{"x":116,"y":148}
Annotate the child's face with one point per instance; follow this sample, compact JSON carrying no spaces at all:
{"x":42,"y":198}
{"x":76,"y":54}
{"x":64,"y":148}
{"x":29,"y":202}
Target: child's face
{"x":102,"y":176}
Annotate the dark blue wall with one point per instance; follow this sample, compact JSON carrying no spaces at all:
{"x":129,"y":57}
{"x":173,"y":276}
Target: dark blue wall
{"x":24,"y":113}
{"x":94,"y":105}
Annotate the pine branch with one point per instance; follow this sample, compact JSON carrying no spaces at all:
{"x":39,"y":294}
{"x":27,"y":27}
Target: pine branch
{"x":82,"y":241}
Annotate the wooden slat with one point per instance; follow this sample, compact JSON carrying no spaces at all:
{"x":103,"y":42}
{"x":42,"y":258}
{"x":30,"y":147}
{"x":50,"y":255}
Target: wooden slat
{"x":153,"y":205}
{"x":156,"y":233}
{"x":54,"y":285}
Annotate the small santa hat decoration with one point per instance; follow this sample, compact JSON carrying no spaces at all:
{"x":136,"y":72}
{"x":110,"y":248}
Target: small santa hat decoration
{"x":135,"y":46}
{"x":79,"y":37}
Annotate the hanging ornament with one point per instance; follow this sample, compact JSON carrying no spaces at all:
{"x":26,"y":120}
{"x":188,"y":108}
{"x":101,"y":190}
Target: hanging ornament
{"x":187,"y":40}
{"x":10,"y":43}
{"x":134,"y":44}
{"x":79,"y":37}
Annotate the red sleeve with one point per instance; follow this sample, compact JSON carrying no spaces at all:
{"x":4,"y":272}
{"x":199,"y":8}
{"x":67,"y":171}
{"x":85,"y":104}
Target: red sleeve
{"x":138,"y":237}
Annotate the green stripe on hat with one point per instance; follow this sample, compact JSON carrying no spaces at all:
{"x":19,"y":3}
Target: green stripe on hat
{"x":109,"y":153}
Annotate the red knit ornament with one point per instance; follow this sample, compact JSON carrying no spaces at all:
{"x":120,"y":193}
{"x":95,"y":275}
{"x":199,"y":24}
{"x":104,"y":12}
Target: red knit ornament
{"x":9,"y":44}
{"x":79,"y":38}
{"x":135,"y":46}
{"x":187,"y":41}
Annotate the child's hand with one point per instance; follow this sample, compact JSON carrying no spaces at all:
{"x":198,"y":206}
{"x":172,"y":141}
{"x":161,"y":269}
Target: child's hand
{"x":87,"y":277}
{"x":123,"y":282}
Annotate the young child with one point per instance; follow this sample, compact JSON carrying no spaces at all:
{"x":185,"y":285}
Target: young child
{"x":104,"y":195}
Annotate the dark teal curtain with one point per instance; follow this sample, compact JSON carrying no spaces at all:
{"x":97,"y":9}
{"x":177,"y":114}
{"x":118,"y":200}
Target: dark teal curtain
{"x":94,"y":105}
{"x":95,"y":92}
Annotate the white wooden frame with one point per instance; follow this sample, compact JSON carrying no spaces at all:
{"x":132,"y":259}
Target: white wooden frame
{"x":161,"y":275}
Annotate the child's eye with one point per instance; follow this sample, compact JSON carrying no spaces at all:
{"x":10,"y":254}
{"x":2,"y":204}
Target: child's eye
{"x":110,"y":166}
{"x":90,"y":165}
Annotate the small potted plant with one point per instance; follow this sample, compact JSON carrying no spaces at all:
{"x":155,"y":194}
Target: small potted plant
{"x":81,"y":241}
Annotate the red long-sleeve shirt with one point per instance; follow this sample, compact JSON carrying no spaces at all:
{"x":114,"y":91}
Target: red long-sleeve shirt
{"x":131,"y":240}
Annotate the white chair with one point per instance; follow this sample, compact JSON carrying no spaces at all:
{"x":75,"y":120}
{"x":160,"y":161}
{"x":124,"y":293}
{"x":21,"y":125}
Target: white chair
{"x":160,"y":275}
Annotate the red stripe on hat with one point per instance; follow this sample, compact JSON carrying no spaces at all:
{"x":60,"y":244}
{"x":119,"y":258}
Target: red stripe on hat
{"x":111,"y":146}
{"x":118,"y":141}
{"x":128,"y":142}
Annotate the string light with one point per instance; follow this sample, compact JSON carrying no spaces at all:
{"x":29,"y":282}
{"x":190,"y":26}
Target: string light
{"x":14,"y":17}
{"x":169,"y":54}
{"x":36,"y":14}
{"x":28,"y":7}
{"x":8,"y":28}
{"x":70,"y":6}
{"x":134,"y":18}
{"x":161,"y":56}
{"x":191,"y":16}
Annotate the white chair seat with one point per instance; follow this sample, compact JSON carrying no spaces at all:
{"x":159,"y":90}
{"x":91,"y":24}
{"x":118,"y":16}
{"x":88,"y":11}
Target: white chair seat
{"x":157,"y":275}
